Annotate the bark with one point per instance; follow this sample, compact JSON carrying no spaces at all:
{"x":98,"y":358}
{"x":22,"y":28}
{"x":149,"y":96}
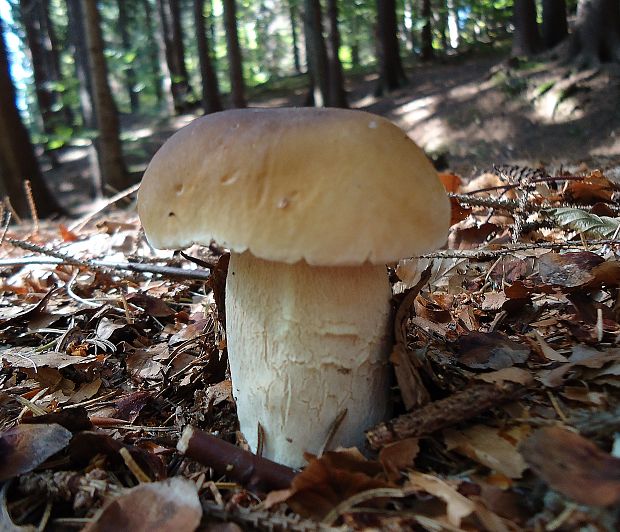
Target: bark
{"x":554,"y":25}
{"x":169,"y":11}
{"x":45,"y":69}
{"x":80,"y":54}
{"x":292,"y":10}
{"x":233,"y":51}
{"x":392,"y":74}
{"x":526,"y":39}
{"x":108,"y":145}
{"x":316,"y":52}
{"x":337,"y":94}
{"x":597,"y":32}
{"x":130,"y":73}
{"x":426,"y":46}
{"x":153,"y":52}
{"x":210,"y":91}
{"x":17,"y":157}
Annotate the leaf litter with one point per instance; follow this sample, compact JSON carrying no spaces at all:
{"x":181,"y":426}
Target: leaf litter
{"x":507,"y":359}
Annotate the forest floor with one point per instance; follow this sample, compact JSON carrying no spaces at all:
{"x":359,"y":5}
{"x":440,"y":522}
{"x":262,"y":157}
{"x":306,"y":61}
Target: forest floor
{"x":506,"y":354}
{"x":470,"y":112}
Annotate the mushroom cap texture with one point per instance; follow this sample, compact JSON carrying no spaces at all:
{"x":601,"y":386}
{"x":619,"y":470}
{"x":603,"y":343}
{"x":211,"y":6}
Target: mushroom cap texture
{"x":328,"y":186}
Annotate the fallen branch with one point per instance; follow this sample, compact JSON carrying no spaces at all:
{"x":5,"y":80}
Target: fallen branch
{"x":251,"y":471}
{"x":443,"y":413}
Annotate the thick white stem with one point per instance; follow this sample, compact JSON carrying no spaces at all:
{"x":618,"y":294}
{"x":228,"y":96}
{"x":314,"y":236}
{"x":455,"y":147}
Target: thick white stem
{"x":305,"y":343}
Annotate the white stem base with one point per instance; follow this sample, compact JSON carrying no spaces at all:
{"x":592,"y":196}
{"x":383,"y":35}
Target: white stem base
{"x":305,"y":343}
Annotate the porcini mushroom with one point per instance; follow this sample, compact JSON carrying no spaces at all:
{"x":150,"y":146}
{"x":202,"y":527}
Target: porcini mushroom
{"x":312,"y":203}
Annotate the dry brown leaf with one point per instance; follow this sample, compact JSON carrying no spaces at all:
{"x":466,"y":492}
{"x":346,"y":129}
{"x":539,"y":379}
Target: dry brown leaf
{"x":568,"y":270}
{"x":574,"y":466}
{"x":171,"y":504}
{"x":490,"y":351}
{"x":451,"y":182}
{"x":331,"y":479}
{"x":458,"y":506}
{"x":24,"y":447}
{"x":486,"y":446}
{"x":518,"y":375}
{"x":399,"y":456}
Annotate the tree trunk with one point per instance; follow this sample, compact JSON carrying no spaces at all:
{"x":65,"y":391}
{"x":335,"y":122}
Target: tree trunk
{"x":210,"y":91}
{"x":42,"y":62}
{"x":554,"y":24}
{"x":526,"y":39}
{"x":597,"y":32}
{"x":17,"y":157}
{"x":292,"y":11}
{"x":130,"y":73}
{"x":233,"y":51}
{"x":153,"y":52}
{"x":170,"y":14}
{"x":426,"y":46}
{"x":392,"y":74}
{"x":108,"y":145}
{"x":453,"y":23}
{"x":80,"y":55}
{"x":337,"y":94}
{"x":316,"y":52}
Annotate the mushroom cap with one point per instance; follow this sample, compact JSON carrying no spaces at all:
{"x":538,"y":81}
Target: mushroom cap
{"x":328,"y":186}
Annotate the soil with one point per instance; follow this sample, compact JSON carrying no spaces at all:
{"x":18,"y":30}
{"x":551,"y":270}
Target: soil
{"x":468,"y":113}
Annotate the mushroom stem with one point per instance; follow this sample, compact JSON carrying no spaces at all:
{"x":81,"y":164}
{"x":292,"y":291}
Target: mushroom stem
{"x":306,"y":343}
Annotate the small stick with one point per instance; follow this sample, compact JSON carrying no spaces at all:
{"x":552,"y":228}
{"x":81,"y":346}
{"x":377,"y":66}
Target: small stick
{"x":241,"y":466}
{"x":32,"y":206}
{"x":81,"y":222}
{"x":6,"y":222}
{"x":443,"y":413}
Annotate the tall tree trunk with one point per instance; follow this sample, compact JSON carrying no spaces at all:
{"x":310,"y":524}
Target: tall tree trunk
{"x":17,"y":157}
{"x":80,"y":55}
{"x":108,"y":145}
{"x":426,"y":47}
{"x":554,"y":24}
{"x":42,"y":62}
{"x":597,"y":32}
{"x":392,"y":73}
{"x":337,"y":94}
{"x":316,"y":52}
{"x":453,"y":23}
{"x":526,"y":39}
{"x":170,"y":14}
{"x":233,"y":50}
{"x":130,"y":73}
{"x":153,"y":52}
{"x":210,"y":90}
{"x":292,"y":12}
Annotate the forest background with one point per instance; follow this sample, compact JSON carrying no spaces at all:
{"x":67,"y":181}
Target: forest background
{"x":89,"y":90}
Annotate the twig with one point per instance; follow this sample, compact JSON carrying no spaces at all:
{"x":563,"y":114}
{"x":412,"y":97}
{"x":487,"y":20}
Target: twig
{"x":32,"y":206}
{"x":6,"y":222}
{"x":539,"y":180}
{"x":239,"y":465}
{"x":55,"y":257}
{"x":81,"y":222}
{"x":490,"y":254}
{"x":73,"y":295}
{"x":443,"y":413}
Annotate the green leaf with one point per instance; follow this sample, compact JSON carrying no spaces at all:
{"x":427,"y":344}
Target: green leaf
{"x":584,"y":222}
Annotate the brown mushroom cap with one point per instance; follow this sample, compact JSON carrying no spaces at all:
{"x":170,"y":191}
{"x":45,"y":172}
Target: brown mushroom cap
{"x":329,"y":186}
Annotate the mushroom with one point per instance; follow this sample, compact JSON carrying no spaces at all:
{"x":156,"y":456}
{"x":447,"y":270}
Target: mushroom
{"x":312,"y":203}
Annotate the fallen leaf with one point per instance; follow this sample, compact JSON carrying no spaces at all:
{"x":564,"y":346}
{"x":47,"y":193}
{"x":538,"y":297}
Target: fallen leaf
{"x":486,"y":446}
{"x":399,"y":456}
{"x":24,"y":447}
{"x":490,"y":351}
{"x":171,"y":504}
{"x":458,"y":506}
{"x":512,"y":374}
{"x":574,"y":466}
{"x":568,"y":270}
